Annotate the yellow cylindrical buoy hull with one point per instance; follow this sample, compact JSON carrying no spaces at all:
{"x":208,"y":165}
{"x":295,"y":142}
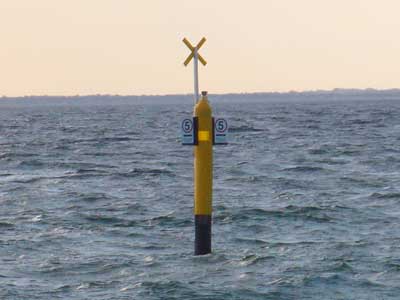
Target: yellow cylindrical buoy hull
{"x":203,"y":165}
{"x":203,"y":159}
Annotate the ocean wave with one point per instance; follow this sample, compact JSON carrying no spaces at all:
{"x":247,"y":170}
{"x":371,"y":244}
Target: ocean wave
{"x":341,"y":266}
{"x":324,"y":278}
{"x":84,"y":174}
{"x":89,"y":170}
{"x":88,"y":197}
{"x":32,"y":163}
{"x":114,"y":221}
{"x":245,"y":128}
{"x":13,"y":155}
{"x":362,"y":121}
{"x":333,"y":161}
{"x":118,"y":139}
{"x":144,"y":171}
{"x":254,"y":259}
{"x":363,"y":182}
{"x":247,"y":178}
{"x":6,"y":175}
{"x":6,"y":224}
{"x":255,"y":241}
{"x":110,"y":220}
{"x":390,"y":195}
{"x":318,"y":151}
{"x":310,"y":213}
{"x":28,"y":179}
{"x":304,"y":169}
{"x":82,"y":165}
{"x":169,"y":219}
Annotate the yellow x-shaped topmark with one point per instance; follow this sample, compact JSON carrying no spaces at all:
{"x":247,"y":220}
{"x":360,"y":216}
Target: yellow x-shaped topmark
{"x":201,"y":59}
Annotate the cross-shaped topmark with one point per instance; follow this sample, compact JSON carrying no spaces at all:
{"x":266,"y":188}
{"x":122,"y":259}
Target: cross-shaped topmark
{"x":201,"y":59}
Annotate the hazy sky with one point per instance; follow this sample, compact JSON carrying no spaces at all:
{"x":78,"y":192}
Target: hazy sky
{"x":68,"y":47}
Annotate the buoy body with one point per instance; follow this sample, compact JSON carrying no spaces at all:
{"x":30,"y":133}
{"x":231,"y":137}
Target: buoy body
{"x":203,"y":177}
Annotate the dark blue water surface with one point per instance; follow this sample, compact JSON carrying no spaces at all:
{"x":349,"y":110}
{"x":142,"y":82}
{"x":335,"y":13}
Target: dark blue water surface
{"x":96,"y":200}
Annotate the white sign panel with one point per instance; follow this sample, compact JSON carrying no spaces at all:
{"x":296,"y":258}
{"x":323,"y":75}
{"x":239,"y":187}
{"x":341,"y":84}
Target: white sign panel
{"x":220,"y":131}
{"x":187,"y":131}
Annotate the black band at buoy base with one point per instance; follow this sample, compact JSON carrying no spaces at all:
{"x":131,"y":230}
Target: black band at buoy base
{"x":202,"y":243}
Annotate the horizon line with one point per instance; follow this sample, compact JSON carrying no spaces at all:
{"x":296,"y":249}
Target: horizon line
{"x":316,"y":91}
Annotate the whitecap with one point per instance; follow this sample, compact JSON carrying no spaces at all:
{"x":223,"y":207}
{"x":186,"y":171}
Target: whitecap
{"x":37,"y":218}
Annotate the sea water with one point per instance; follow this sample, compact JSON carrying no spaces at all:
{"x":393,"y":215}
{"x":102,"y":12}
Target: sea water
{"x":96,"y":200}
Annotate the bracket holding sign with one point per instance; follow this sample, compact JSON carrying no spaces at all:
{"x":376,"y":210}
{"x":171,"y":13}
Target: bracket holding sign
{"x":189,"y":131}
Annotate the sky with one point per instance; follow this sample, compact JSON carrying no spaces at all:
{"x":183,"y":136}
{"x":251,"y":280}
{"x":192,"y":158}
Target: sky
{"x":134,"y":47}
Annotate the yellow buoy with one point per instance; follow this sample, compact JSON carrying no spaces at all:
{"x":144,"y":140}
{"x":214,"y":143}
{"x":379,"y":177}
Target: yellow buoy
{"x":203,"y":176}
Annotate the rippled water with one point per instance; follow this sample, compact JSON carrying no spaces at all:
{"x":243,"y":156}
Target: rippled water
{"x":96,"y":201}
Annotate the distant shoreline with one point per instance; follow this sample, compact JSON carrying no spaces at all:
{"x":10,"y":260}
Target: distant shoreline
{"x":335,"y":94}
{"x":336,"y":91}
